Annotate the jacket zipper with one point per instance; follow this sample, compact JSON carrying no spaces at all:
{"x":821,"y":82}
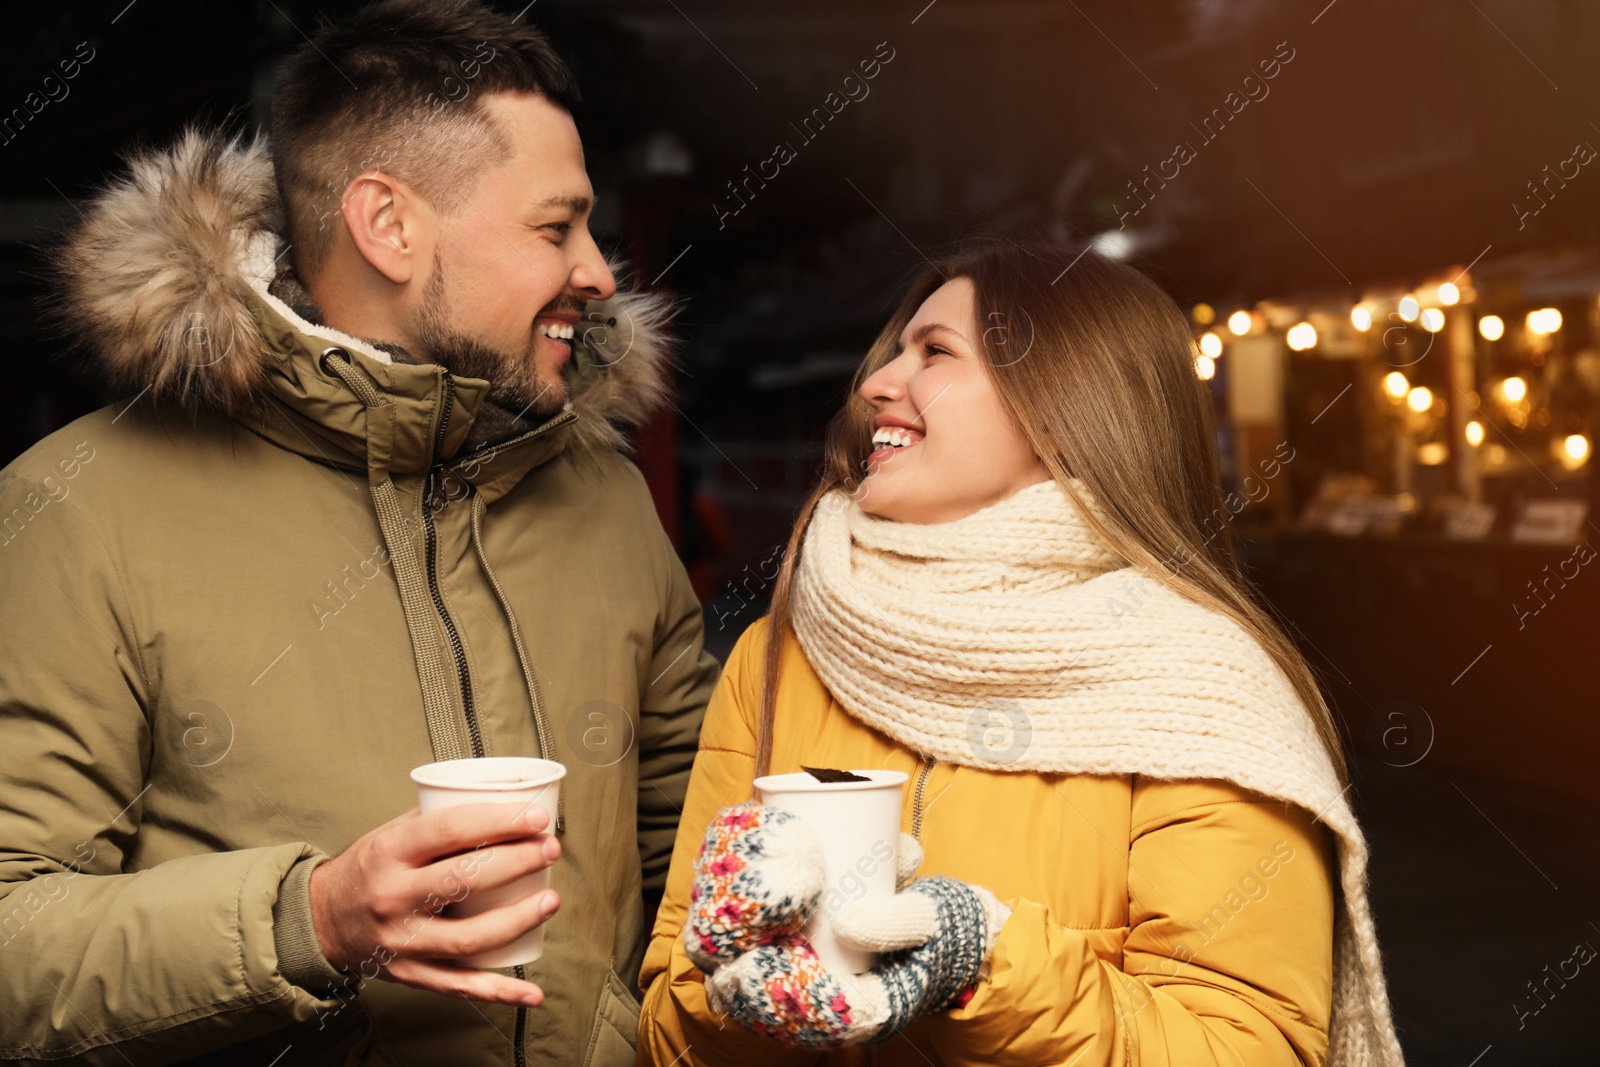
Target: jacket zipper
{"x":519,"y":1031}
{"x":435,"y":469}
{"x":438,"y":470}
{"x":489,"y":450}
{"x":916,"y":805}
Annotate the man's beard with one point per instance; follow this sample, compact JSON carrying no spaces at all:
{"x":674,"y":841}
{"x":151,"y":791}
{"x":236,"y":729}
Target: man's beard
{"x":514,"y":379}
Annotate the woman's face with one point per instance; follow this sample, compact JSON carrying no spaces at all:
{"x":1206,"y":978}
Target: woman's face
{"x":959,"y":449}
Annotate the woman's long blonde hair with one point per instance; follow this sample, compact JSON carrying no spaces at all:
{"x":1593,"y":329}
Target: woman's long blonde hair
{"x":1097,"y":366}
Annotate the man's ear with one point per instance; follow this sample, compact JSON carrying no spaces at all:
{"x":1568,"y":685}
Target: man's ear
{"x":386,"y":221}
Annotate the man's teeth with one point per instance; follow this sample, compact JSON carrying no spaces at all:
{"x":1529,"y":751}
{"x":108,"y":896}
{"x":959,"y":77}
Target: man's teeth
{"x":893,"y":437}
{"x":556,"y":330}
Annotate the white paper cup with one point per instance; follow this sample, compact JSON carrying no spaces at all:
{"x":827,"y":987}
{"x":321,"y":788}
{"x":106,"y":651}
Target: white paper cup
{"x":858,"y":824}
{"x":517,"y":780}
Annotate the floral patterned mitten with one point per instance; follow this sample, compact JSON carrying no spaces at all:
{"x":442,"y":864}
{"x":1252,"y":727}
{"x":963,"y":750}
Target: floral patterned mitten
{"x":937,"y":935}
{"x":757,"y":879}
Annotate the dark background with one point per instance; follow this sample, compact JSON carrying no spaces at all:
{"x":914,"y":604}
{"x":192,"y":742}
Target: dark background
{"x":1394,"y":142}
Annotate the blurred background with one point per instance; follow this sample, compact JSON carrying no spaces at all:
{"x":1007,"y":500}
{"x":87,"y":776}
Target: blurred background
{"x":1382,"y":216}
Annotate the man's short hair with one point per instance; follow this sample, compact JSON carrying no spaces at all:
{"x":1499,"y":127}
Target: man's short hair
{"x":399,"y":87}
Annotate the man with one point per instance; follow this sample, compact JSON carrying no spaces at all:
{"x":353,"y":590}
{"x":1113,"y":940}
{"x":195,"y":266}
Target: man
{"x":363,"y":508}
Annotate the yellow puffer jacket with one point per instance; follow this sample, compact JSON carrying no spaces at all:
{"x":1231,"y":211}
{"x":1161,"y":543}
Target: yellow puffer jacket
{"x":1153,"y":922}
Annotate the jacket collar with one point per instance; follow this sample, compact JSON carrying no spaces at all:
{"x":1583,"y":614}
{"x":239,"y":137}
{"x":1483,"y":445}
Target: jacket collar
{"x":193,"y":236}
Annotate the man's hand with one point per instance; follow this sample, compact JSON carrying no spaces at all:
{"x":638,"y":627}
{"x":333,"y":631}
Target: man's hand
{"x":376,"y":906}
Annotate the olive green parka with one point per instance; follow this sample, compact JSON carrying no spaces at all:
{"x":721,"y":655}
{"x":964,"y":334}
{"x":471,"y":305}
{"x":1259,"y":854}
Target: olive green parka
{"x":240,"y":605}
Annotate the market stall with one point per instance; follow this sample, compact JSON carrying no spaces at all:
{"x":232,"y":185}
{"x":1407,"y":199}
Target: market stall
{"x":1411,"y":477}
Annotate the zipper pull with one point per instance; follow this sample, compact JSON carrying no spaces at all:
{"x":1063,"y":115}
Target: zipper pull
{"x":436,"y":490}
{"x":431,"y":491}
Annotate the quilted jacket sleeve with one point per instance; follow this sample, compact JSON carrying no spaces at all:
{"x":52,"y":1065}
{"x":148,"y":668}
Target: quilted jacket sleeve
{"x":1228,"y":957}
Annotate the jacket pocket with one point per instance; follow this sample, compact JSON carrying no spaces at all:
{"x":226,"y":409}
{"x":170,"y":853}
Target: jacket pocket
{"x":616,"y":1025}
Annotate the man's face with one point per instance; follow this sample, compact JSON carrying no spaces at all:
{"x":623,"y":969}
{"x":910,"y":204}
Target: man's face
{"x":516,"y":263}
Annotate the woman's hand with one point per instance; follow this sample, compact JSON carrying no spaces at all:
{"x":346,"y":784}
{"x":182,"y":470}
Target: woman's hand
{"x":937,"y":935}
{"x":757,"y":880}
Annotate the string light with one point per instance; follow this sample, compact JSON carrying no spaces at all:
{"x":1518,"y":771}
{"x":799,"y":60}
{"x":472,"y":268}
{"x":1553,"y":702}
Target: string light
{"x":1301,"y":336}
{"x":1210,"y":345}
{"x":1449,"y":295}
{"x":1492,"y":327}
{"x":1361,"y":318}
{"x":1474,"y":433}
{"x":1545,"y":321}
{"x":1432,"y":320}
{"x":1239,"y":323}
{"x":1395,"y":384}
{"x":1409,"y":308}
{"x":1420,"y":398}
{"x":1514,"y":389}
{"x":1206,"y":367}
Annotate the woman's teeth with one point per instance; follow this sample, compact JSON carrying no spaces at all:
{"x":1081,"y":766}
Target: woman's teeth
{"x":894,"y":438}
{"x":558,"y":331}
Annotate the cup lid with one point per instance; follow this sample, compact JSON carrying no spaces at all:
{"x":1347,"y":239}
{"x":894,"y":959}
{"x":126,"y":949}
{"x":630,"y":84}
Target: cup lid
{"x":801,"y":782}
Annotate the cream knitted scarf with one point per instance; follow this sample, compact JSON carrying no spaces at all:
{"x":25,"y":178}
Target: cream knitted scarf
{"x":1014,"y":639}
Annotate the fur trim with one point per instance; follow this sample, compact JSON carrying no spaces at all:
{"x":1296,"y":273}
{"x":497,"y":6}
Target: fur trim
{"x":155,"y":284}
{"x":617,"y":378}
{"x":150,"y":280}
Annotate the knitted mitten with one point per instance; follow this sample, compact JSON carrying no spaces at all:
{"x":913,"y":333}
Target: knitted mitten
{"x":917,"y":916}
{"x":907,"y":860}
{"x":758,"y":877}
{"x":937,"y":934}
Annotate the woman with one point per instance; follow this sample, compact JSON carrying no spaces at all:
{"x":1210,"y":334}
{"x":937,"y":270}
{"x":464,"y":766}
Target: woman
{"x":1014,"y":583}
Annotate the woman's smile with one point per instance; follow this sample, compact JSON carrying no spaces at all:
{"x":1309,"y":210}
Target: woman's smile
{"x":890,"y":437}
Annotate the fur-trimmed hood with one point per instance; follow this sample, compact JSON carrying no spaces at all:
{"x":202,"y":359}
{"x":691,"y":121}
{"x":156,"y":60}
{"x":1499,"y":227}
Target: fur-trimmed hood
{"x":172,"y":282}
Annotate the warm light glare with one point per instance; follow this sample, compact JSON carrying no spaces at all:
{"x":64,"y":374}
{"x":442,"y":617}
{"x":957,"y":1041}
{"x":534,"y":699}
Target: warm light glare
{"x":1513,"y":389}
{"x":1433,"y":453}
{"x":1301,"y":336}
{"x":1409,"y":308}
{"x":1577,"y":446}
{"x":1113,"y":244}
{"x":1239,"y":323}
{"x":1474,"y":433}
{"x":1361,"y":318}
{"x":1206,"y":367}
{"x":1204,"y":314}
{"x":1492,"y":327}
{"x":1395,"y":384}
{"x":1420,"y":398}
{"x":1544,"y":321}
{"x":1432,"y":320}
{"x":1210,"y":345}
{"x":1449,"y":295}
